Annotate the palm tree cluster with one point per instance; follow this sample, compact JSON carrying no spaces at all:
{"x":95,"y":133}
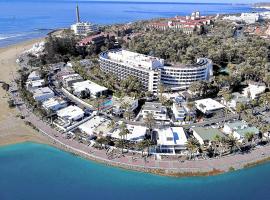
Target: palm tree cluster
{"x":220,"y":146}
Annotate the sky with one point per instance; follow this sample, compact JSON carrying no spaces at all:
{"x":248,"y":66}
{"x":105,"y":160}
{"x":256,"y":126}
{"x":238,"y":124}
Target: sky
{"x":196,"y":1}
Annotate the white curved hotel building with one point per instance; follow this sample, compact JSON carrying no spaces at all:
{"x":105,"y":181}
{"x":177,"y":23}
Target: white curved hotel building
{"x":151,"y":71}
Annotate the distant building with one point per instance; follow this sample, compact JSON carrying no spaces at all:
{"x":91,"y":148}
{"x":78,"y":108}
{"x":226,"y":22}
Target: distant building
{"x":97,"y":40}
{"x":54,"y":104}
{"x":42,"y":94}
{"x":171,"y":140}
{"x":187,"y":25}
{"x":239,"y":129}
{"x":208,"y":106}
{"x":249,"y":18}
{"x":206,"y":135}
{"x":159,"y":112}
{"x":83,"y":28}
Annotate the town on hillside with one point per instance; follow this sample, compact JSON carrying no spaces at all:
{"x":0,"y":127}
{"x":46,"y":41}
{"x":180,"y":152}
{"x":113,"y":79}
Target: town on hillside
{"x":194,"y":87}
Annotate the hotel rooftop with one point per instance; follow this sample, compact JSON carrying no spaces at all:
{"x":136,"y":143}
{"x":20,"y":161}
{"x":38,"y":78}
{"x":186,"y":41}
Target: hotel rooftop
{"x":135,"y":59}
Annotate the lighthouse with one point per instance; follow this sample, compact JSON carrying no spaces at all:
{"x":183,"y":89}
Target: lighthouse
{"x":83,"y":28}
{"x":78,"y":14}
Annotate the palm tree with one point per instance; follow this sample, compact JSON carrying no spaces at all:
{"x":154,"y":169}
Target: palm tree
{"x":123,"y":134}
{"x":192,"y":146}
{"x":128,"y":114}
{"x":232,"y":143}
{"x":141,"y":145}
{"x":112,"y":124}
{"x":217,"y":144}
{"x":148,"y":144}
{"x":249,"y":136}
{"x":150,"y":122}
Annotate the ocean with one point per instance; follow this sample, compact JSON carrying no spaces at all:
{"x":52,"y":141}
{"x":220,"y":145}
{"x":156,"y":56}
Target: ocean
{"x":26,"y":19}
{"x":30,"y":171}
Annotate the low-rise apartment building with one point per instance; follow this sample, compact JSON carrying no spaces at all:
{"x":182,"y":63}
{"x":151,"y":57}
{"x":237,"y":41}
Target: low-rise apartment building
{"x":70,"y":113}
{"x":206,"y":136}
{"x":158,"y":111}
{"x":88,"y":87}
{"x":54,"y":104}
{"x":42,"y":94}
{"x":208,"y":106}
{"x":171,"y":140}
{"x":68,"y":80}
{"x":239,"y":129}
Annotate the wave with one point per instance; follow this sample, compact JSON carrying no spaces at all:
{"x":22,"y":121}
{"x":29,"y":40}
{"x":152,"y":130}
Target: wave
{"x":4,"y":37}
{"x":24,"y":34}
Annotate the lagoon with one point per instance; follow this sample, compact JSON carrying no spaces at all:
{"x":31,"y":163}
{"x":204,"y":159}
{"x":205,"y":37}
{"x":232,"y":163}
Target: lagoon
{"x":30,"y":171}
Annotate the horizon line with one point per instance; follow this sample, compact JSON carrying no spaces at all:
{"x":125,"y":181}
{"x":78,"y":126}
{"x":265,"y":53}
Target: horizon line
{"x":142,"y":2}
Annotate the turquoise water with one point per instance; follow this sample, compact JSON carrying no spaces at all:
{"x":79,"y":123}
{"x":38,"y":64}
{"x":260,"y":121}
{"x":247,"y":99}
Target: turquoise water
{"x":31,"y":171}
{"x":25,"y":19}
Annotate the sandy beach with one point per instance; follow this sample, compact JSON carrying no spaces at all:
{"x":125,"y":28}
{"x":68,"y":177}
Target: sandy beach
{"x":12,"y":129}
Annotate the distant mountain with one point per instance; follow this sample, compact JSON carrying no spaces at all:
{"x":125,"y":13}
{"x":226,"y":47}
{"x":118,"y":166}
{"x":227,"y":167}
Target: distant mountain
{"x":265,"y":5}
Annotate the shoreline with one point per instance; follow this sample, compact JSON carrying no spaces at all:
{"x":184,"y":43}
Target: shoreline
{"x":14,"y":131}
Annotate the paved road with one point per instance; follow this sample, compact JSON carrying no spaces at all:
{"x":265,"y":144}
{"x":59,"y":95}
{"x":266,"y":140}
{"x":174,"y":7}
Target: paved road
{"x":135,"y":161}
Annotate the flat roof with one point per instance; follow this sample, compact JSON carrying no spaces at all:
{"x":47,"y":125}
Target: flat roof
{"x":71,"y":77}
{"x":90,"y":126}
{"x":199,"y":63}
{"x":172,"y":136}
{"x":242,"y":128}
{"x":53,"y":102}
{"x":36,"y":83}
{"x":208,"y":133}
{"x":136,"y":133}
{"x":42,"y":91}
{"x":91,"y":86}
{"x":152,"y":106}
{"x":208,"y":104}
{"x":34,"y":74}
{"x":117,"y":102}
{"x":133,"y":59}
{"x":70,"y":112}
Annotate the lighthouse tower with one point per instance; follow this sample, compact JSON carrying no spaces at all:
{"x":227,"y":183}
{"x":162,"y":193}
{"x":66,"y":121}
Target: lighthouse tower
{"x":78,"y":14}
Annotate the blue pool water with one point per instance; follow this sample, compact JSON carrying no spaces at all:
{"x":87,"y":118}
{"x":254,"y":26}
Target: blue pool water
{"x":25,"y":19}
{"x":31,"y":171}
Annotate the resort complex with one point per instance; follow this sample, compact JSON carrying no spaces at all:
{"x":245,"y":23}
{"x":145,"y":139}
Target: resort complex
{"x":152,"y":71}
{"x":155,"y":94}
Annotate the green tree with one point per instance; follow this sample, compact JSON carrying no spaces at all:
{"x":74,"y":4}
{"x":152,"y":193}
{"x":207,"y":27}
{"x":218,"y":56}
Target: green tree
{"x":192,"y":146}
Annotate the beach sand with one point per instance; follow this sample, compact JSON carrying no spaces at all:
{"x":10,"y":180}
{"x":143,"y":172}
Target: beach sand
{"x":12,"y":129}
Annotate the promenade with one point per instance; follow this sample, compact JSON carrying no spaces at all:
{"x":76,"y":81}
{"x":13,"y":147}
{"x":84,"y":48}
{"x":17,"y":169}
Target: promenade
{"x":136,"y":162}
